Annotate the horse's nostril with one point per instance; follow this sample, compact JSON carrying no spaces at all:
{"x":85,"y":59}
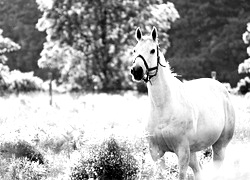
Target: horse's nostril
{"x":137,"y":72}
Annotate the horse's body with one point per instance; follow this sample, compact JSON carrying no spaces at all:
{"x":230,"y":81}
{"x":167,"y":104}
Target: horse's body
{"x":196,"y":114}
{"x":185,"y":117}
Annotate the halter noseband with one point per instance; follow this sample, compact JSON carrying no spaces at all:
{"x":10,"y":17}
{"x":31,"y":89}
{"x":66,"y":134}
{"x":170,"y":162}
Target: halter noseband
{"x":148,"y":69}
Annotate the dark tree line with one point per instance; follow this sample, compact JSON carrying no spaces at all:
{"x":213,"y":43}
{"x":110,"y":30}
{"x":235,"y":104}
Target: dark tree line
{"x":208,"y":37}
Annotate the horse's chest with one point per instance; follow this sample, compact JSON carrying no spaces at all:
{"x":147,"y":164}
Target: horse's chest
{"x":163,"y":139}
{"x":167,"y":132}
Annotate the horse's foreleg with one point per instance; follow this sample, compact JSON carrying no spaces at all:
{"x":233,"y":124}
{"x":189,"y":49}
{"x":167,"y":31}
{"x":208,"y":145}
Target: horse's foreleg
{"x":194,"y":164}
{"x":183,"y":154}
{"x":159,"y":168}
{"x":157,"y":156}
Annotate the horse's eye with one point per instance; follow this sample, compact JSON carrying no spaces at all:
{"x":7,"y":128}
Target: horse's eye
{"x":152,"y":51}
{"x":134,"y":51}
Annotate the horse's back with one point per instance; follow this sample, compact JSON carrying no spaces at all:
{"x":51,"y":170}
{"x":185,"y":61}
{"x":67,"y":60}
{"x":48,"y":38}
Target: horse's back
{"x":206,"y":85}
{"x":207,"y":91}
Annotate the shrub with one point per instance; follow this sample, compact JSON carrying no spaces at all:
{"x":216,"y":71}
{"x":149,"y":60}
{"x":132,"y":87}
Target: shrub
{"x":22,"y":149}
{"x":243,"y":85}
{"x":23,"y":168}
{"x":4,"y":73}
{"x":16,"y":81}
{"x":108,"y":161}
{"x":21,"y":161}
{"x":24,"y":82}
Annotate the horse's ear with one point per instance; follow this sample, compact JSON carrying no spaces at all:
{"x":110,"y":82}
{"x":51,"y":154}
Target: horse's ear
{"x":154,"y":34}
{"x":138,"y":34}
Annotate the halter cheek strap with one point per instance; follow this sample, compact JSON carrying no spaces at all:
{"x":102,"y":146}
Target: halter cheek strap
{"x":148,"y":69}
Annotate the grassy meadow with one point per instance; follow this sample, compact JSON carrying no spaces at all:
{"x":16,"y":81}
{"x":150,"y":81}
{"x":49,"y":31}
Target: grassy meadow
{"x":74,"y":123}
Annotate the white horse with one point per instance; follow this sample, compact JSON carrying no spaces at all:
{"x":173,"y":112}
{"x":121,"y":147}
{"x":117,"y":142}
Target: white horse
{"x":184,"y":117}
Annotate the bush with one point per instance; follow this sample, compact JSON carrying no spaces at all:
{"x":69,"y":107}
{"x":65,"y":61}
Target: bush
{"x":24,"y":82}
{"x":4,"y":74}
{"x":108,"y":161}
{"x":21,"y":161}
{"x":16,"y":81}
{"x":22,"y":149}
{"x":243,"y":85}
{"x":24,"y":169}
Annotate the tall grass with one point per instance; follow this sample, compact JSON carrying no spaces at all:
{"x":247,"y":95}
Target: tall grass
{"x":64,"y":131}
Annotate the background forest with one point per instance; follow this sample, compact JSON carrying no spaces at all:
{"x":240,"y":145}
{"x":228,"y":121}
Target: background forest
{"x":87,"y":43}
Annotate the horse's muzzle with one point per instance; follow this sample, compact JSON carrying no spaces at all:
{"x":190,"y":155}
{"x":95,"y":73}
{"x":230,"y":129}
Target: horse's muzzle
{"x":137,"y":72}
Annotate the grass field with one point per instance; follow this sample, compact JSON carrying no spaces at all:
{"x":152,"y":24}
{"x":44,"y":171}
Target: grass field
{"x":74,"y":122}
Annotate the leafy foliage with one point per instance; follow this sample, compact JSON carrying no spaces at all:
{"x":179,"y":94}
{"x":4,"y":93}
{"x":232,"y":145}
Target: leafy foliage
{"x":4,"y":73}
{"x":24,"y":82}
{"x":16,"y":81}
{"x":20,"y":160}
{"x":11,"y":81}
{"x":245,"y":66}
{"x":89,"y":42}
{"x":22,"y":149}
{"x":7,"y":45}
{"x":207,"y":38}
{"x":243,"y":85}
{"x":107,"y":161}
{"x":22,"y":168}
{"x":18,"y":19}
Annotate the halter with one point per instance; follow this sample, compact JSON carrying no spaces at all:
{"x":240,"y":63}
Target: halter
{"x":148,"y":69}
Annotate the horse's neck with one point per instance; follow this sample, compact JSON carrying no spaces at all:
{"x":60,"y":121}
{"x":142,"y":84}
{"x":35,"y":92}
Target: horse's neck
{"x":162,"y":87}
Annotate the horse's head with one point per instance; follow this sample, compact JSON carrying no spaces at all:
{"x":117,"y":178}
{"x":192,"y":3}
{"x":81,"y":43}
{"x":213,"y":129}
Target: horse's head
{"x":145,"y":56}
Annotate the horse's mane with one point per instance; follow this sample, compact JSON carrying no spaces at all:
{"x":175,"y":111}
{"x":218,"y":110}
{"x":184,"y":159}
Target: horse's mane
{"x":167,"y":65}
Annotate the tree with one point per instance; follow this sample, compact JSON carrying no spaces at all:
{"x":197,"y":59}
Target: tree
{"x":89,"y":41}
{"x":244,"y":67}
{"x":18,"y":19}
{"x":6,"y":46}
{"x":14,"y":81}
{"x":207,"y":38}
